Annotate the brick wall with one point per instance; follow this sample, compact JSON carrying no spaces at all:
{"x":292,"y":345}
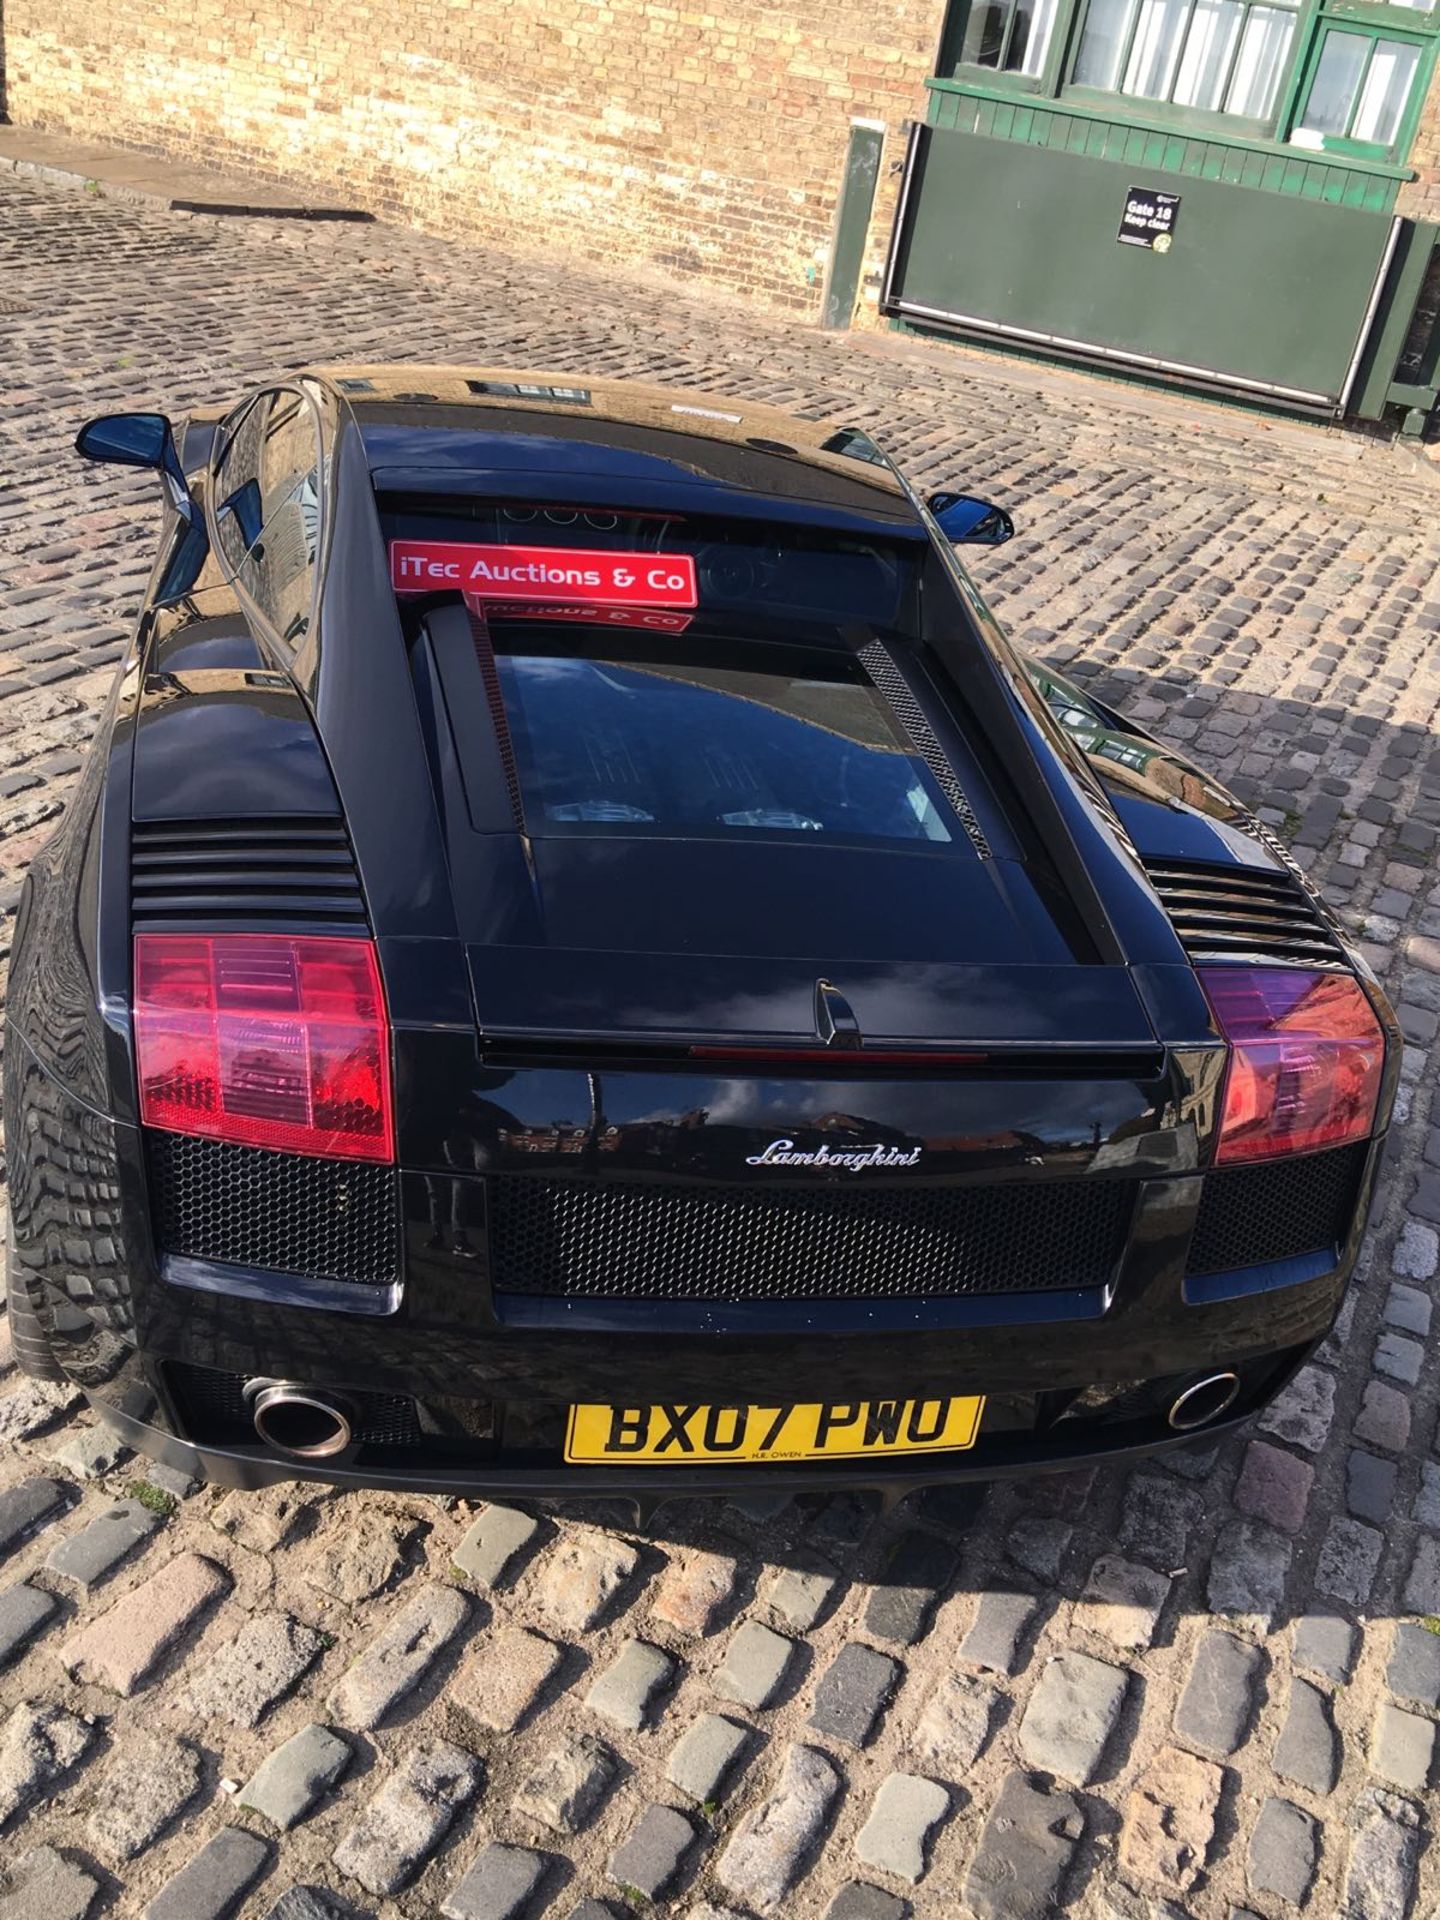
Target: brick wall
{"x":1420,"y":199}
{"x":700,"y":144}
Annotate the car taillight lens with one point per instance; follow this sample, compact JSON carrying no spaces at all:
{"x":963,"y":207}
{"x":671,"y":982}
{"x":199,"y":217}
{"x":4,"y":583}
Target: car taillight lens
{"x":265,"y":1039}
{"x":1306,"y":1059}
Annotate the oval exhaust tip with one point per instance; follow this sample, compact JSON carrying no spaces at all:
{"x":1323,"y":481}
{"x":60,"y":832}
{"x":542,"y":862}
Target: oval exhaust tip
{"x":299,"y":1421}
{"x":1203,"y":1401}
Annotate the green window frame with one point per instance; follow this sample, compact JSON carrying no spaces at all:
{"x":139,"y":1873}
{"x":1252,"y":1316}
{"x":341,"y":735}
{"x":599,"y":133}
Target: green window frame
{"x":1198,"y":61}
{"x":1221,"y":65}
{"x":1016,"y":45}
{"x":1346,"y":100}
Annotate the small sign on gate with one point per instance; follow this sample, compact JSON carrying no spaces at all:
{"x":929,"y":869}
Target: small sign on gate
{"x":1148,"y":219}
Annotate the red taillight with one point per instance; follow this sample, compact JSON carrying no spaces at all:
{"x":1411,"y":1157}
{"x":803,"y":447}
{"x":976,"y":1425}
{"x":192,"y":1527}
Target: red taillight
{"x":264,"y":1039}
{"x":1306,"y":1059}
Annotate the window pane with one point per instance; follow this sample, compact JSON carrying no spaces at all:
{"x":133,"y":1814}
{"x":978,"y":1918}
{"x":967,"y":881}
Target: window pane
{"x":1102,"y":44}
{"x":984,"y":33}
{"x":710,"y":747}
{"x":1214,"y":27}
{"x":1387,"y":86}
{"x":289,"y":453}
{"x":280,"y":572}
{"x":237,"y":482}
{"x":1264,"y":57}
{"x":1034,"y":23}
{"x":1336,"y":83}
{"x":1151,"y":70}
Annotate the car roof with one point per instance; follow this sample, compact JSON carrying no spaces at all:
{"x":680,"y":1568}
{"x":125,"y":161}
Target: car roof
{"x":558,"y":436}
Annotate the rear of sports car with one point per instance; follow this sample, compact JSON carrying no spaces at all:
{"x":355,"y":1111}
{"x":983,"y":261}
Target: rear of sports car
{"x":716,"y":1040}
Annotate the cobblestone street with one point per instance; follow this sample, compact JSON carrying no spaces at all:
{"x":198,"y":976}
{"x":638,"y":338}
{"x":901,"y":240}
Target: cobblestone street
{"x":1202,"y":1688}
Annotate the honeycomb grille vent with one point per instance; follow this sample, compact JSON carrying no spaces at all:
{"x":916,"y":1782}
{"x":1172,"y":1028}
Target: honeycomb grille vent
{"x":320,"y":1219}
{"x":892,"y":686}
{"x":688,"y":1241}
{"x":1277,"y":1210}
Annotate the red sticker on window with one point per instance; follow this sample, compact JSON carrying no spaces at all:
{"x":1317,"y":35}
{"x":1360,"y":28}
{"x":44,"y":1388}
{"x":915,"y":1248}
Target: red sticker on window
{"x":653,"y":619}
{"x":544,"y":573}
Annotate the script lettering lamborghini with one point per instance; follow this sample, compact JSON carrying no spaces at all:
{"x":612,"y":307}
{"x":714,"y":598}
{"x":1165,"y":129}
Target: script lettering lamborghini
{"x":784,"y":1153}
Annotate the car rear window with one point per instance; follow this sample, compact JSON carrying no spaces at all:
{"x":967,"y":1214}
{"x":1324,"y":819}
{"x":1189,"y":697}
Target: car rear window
{"x":690,"y":737}
{"x":736,"y":705}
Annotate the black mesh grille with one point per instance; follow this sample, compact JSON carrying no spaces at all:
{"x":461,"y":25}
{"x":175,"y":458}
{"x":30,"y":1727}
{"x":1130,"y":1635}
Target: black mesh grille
{"x":1243,"y":913}
{"x":685,"y":1241}
{"x":1274,"y":1211}
{"x":891,"y":683}
{"x":324,"y":1219}
{"x":264,"y":873}
{"x":212,"y":1404}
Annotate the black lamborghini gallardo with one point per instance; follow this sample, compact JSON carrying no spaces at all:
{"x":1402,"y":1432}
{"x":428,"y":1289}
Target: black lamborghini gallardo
{"x":582,"y":959}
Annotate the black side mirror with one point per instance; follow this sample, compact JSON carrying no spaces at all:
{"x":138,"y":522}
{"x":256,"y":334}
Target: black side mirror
{"x":968,"y":522}
{"x":139,"y":440}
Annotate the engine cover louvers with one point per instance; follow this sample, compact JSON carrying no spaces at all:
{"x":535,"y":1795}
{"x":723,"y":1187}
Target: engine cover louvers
{"x":1244,"y":913}
{"x":267,"y":874}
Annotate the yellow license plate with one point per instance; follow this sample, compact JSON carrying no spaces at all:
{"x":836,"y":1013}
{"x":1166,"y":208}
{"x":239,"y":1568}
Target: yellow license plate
{"x":668,"y":1436}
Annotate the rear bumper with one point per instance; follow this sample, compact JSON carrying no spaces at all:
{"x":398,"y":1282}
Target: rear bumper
{"x":249,"y":1469}
{"x":481,"y":1381}
{"x":447,"y":1406}
{"x":1083,"y":1400}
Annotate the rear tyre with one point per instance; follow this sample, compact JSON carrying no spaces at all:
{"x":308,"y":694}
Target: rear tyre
{"x":33,"y":1353}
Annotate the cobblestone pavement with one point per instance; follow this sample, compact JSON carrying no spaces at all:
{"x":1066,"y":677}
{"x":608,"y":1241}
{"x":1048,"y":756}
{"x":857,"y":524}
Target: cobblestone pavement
{"x":1206,"y":1688}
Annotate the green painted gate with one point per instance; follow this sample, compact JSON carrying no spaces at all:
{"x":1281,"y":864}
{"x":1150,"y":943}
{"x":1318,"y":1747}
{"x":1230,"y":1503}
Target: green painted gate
{"x":1276,"y":294}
